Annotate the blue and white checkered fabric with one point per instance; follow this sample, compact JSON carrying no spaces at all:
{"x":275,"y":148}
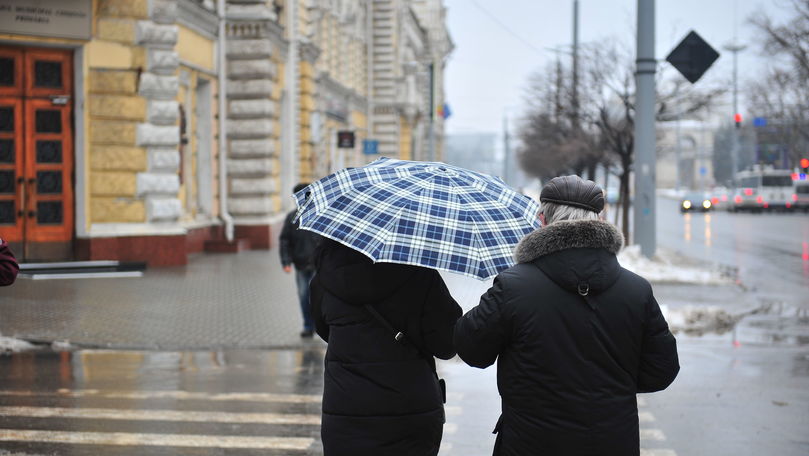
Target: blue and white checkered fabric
{"x":421,"y":213}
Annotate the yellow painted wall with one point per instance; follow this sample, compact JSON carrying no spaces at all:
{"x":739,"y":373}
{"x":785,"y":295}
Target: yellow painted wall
{"x":405,"y":140}
{"x":195,"y":48}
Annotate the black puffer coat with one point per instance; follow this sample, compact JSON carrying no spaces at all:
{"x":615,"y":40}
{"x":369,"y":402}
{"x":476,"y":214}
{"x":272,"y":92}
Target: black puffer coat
{"x":381,"y":397}
{"x":297,"y":246}
{"x":576,"y":337}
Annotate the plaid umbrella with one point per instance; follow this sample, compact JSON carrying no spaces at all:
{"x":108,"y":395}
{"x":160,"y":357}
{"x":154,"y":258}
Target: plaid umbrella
{"x":421,"y":213}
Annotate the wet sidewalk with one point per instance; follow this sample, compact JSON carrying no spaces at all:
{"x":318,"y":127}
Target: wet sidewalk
{"x":217,"y":300}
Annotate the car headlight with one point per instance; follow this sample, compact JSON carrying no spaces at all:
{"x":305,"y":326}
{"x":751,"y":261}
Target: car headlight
{"x":706,"y":204}
{"x":686,"y":204}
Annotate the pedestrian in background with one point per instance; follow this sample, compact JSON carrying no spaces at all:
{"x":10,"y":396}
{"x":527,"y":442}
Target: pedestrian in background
{"x":575,"y":335}
{"x":298,"y":250}
{"x":8,"y":265}
{"x":384,"y":324}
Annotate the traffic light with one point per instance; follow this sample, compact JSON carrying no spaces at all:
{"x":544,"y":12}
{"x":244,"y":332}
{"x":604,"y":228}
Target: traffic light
{"x":805,"y":163}
{"x":738,"y":119}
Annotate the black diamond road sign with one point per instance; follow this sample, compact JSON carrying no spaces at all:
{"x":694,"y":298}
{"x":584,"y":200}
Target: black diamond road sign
{"x":692,"y":57}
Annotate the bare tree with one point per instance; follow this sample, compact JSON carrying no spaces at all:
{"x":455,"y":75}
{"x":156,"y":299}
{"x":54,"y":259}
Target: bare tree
{"x":781,"y":94}
{"x":613,"y":110}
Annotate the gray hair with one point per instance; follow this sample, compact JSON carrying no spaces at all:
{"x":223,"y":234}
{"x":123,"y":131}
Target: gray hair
{"x":555,"y":212}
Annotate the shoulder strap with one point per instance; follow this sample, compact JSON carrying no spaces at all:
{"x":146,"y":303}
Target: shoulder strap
{"x":398,"y":336}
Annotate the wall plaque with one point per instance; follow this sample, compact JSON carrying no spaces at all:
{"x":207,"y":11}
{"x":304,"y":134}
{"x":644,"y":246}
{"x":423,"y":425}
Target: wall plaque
{"x":59,"y":18}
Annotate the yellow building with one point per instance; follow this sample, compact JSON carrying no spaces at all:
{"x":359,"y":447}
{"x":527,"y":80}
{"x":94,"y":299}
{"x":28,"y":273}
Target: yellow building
{"x":114,"y":136}
{"x":109,"y":135}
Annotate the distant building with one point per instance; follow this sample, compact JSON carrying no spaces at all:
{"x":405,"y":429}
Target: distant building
{"x":690,"y":143}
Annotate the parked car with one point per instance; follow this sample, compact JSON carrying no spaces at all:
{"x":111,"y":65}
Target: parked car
{"x":693,"y":202}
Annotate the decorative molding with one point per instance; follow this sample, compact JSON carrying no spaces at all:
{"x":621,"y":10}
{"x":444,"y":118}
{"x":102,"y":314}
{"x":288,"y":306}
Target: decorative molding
{"x":197,"y":18}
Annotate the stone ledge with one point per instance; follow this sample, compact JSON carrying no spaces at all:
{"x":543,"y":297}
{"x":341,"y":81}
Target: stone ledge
{"x":251,"y":128}
{"x":154,"y":135}
{"x":163,"y":112}
{"x":250,"y":88}
{"x":163,"y":208}
{"x":158,"y":184}
{"x":249,"y":49}
{"x":158,"y":86}
{"x":243,"y":148}
{"x":252,"y":69}
{"x":250,"y":205}
{"x":158,"y":35}
{"x":162,"y":61}
{"x":251,"y":109}
{"x":163,"y":159}
{"x":248,"y":186}
{"x":252,"y":167}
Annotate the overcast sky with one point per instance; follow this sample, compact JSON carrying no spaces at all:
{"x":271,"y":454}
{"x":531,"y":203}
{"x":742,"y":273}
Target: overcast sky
{"x":495,"y":53}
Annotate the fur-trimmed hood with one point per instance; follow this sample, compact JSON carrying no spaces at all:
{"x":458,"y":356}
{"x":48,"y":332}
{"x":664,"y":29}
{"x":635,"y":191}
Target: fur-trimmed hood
{"x":568,"y":234}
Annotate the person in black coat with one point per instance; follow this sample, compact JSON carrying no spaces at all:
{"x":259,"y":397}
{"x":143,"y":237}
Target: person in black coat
{"x":8,"y":265}
{"x":381,"y":396}
{"x":575,"y":335}
{"x":297,"y":248}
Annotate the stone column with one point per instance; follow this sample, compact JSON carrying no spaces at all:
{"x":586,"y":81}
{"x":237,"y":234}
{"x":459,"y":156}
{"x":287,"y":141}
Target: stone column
{"x":160,"y":134}
{"x":253,"y":60}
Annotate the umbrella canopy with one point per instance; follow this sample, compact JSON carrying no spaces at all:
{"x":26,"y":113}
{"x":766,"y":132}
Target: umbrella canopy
{"x":421,"y":213}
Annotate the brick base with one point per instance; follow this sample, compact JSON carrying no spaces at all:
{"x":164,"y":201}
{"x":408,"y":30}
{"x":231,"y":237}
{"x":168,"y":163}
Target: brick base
{"x":258,"y":235}
{"x":154,"y":250}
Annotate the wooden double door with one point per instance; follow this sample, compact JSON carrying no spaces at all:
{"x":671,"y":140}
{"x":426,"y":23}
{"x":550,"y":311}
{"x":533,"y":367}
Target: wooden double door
{"x":36,"y":152}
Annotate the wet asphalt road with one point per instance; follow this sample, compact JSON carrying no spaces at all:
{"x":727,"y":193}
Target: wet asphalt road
{"x":750,"y":399}
{"x":742,"y":392}
{"x":771,"y":250}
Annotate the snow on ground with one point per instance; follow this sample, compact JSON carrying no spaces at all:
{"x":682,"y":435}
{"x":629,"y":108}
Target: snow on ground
{"x":10,"y":344}
{"x":666,"y":267}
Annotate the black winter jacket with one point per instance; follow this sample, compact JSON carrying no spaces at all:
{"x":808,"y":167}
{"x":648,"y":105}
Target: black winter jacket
{"x":381,"y":397}
{"x":297,"y":246}
{"x":576,"y":337}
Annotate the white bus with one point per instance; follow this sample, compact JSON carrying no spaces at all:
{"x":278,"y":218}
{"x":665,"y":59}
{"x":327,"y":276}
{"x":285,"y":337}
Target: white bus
{"x":763,"y":189}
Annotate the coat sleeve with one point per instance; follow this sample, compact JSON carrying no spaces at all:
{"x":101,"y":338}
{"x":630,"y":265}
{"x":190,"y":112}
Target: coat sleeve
{"x":316,"y":293}
{"x":659,"y":363}
{"x":8,"y":265}
{"x":285,"y":240}
{"x":438,"y":319}
{"x":483,"y":332}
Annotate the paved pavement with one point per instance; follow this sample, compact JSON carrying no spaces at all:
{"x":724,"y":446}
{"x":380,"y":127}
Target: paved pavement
{"x":217,"y":301}
{"x":240,"y":300}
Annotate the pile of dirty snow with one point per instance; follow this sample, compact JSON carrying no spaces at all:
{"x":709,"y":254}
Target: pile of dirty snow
{"x":664,"y":267}
{"x":10,"y":344}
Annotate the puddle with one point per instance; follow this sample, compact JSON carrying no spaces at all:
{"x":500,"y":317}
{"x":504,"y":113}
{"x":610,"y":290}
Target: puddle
{"x":772,"y":323}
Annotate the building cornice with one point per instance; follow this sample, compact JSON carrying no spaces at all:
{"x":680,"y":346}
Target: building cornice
{"x":197,"y":18}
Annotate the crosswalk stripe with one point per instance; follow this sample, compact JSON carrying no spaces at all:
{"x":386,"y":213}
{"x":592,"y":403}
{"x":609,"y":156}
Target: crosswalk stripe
{"x":641,"y":402}
{"x":652,"y":434}
{"x":646,"y":417}
{"x":450,"y":428}
{"x":180,"y":395}
{"x":657,"y":452}
{"x":160,"y":415}
{"x":453,"y":410}
{"x":171,"y":440}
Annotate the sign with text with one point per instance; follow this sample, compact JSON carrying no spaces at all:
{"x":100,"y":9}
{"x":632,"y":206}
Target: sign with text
{"x":345,"y":139}
{"x":370,"y":146}
{"x":58,"y":18}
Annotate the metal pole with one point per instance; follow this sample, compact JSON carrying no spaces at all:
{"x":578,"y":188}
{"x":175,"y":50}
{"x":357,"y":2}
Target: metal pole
{"x":575,"y":65}
{"x":734,"y":150}
{"x":645,"y":159}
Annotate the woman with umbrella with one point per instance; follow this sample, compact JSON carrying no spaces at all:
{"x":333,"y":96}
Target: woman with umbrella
{"x":379,"y":301}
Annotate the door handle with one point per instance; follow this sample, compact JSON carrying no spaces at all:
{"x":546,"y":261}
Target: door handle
{"x":31,"y":214}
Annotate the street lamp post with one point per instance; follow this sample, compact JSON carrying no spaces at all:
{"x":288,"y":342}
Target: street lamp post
{"x":735,"y":48}
{"x":645,"y":161}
